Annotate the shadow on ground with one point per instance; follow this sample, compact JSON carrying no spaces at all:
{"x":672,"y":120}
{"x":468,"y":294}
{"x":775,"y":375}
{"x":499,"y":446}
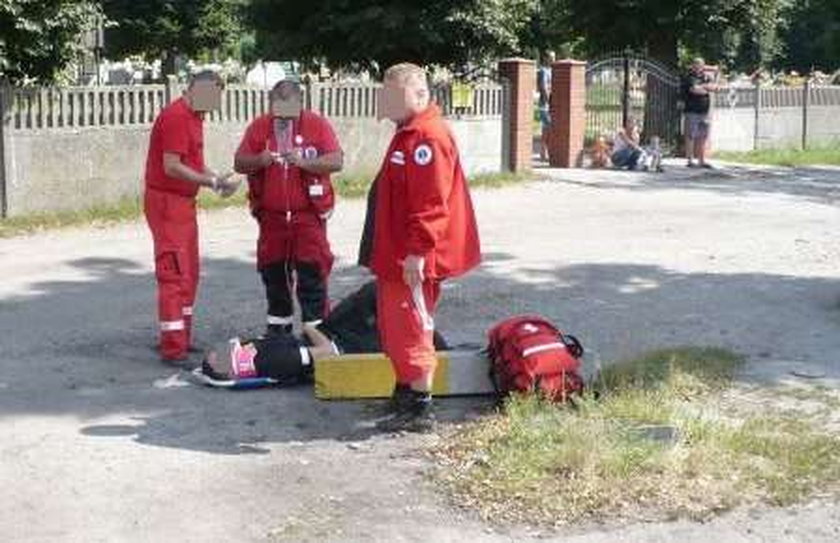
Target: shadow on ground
{"x":84,"y":349}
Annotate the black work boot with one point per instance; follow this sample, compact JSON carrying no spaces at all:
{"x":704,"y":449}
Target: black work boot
{"x":399,"y":400}
{"x":415,"y":416}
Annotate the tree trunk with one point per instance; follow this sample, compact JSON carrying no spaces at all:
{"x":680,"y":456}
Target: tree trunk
{"x":661,"y":116}
{"x":168,"y":66}
{"x":662,"y":46}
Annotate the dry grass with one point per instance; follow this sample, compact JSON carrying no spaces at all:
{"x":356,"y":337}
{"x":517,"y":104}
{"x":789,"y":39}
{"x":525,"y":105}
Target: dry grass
{"x":657,"y":443}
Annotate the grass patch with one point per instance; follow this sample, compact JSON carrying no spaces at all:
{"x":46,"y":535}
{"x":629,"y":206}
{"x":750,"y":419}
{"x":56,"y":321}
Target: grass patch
{"x":357,"y":186}
{"x":829,"y":155}
{"x":710,"y":367}
{"x":130,"y":209}
{"x":657,"y":443}
{"x":127,"y":209}
{"x":502,"y":179}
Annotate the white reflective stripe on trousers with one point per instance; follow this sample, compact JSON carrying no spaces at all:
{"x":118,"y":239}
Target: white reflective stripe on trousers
{"x":420,"y":305}
{"x":171,"y":326}
{"x":281,"y":321}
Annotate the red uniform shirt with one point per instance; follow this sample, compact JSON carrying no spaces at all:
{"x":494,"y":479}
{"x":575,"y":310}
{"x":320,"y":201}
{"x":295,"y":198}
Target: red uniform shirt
{"x":180,"y":130}
{"x":422,"y":204}
{"x":279,"y":188}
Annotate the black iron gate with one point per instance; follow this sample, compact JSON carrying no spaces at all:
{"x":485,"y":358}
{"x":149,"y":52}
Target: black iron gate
{"x":622,"y":86}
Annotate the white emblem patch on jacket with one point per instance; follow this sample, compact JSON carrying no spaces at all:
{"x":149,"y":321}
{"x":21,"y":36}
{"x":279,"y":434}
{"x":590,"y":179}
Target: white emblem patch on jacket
{"x":397,"y":157}
{"x":423,"y":155}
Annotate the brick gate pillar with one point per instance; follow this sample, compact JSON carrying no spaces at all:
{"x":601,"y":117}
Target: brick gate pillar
{"x":519,"y":79}
{"x":568,"y":113}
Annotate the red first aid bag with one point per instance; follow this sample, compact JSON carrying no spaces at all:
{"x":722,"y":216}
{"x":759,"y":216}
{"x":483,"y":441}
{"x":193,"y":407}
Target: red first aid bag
{"x":530,"y":354}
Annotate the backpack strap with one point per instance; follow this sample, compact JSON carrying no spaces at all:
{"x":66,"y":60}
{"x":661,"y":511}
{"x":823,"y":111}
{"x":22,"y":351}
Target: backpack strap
{"x":573,"y":344}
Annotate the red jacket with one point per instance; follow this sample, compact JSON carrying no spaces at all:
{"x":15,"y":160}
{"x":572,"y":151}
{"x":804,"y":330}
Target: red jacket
{"x":177,"y":129}
{"x":280,"y":189}
{"x":420,"y":204}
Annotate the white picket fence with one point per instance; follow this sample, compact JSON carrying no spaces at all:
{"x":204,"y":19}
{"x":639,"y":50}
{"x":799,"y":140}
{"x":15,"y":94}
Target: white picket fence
{"x":778,"y":97}
{"x":40,"y":108}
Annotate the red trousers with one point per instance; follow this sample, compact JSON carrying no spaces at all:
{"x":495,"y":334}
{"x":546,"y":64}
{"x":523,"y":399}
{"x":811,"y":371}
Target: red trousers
{"x":172,"y":221}
{"x":406,"y":327}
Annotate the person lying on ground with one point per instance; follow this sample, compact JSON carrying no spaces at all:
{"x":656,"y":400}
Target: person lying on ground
{"x":349,"y":328}
{"x":284,"y":358}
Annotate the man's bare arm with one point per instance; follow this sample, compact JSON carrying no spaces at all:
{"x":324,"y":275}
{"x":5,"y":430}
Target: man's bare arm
{"x":322,"y":346}
{"x":328,"y":163}
{"x":173,"y":167}
{"x":246,"y":164}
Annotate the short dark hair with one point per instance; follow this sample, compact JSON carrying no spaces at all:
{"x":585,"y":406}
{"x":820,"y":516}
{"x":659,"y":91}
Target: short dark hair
{"x":287,"y":87}
{"x":205,"y":75}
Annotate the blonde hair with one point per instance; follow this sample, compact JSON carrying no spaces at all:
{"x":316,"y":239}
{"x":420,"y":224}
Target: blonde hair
{"x":404,"y":72}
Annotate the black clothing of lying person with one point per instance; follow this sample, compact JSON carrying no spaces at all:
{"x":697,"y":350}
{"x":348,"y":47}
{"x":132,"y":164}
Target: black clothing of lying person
{"x":349,"y":328}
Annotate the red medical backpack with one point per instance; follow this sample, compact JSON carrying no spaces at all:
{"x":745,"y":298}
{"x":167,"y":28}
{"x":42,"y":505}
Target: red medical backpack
{"x":530,"y":354}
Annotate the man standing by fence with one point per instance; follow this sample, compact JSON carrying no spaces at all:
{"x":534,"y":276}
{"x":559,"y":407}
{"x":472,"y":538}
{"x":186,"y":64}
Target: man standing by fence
{"x":420,"y":229}
{"x":289,"y":155}
{"x":175,"y":171}
{"x":697,"y":90}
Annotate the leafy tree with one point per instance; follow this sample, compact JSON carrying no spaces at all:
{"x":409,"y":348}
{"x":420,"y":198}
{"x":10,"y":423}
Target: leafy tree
{"x":812,"y":38}
{"x":39,"y":38}
{"x":738,"y":33}
{"x":373,"y":34}
{"x":162,"y":28}
{"x":551,"y":28}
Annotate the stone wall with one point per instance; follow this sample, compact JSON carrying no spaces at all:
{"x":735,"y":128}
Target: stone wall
{"x":70,"y":169}
{"x":97,"y":157}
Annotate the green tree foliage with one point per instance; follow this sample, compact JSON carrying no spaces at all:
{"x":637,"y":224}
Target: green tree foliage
{"x":373,"y":34}
{"x":551,"y":28}
{"x":159,"y":27}
{"x":39,"y":38}
{"x":812,"y":38}
{"x":738,"y":33}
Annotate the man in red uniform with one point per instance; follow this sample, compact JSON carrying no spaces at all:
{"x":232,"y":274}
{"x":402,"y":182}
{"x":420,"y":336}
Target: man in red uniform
{"x":420,"y":230}
{"x":175,"y":171}
{"x":289,"y":155}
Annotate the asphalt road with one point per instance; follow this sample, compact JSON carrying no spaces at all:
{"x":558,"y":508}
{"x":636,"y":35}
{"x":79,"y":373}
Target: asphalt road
{"x":100,"y":442}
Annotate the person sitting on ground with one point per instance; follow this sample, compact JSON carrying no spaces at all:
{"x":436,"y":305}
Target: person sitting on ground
{"x":626,"y":147}
{"x":651,"y":160}
{"x":601,"y":152}
{"x":349,"y":328}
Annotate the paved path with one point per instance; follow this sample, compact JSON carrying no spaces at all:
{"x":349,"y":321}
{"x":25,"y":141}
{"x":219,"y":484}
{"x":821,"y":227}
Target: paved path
{"x":99,"y":442}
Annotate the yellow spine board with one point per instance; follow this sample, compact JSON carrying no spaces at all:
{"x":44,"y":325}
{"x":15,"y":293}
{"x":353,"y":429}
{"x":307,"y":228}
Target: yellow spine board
{"x":367,"y":376}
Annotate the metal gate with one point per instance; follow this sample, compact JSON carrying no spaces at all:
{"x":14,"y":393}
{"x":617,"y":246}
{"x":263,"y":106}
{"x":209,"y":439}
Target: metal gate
{"x":622,"y":86}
